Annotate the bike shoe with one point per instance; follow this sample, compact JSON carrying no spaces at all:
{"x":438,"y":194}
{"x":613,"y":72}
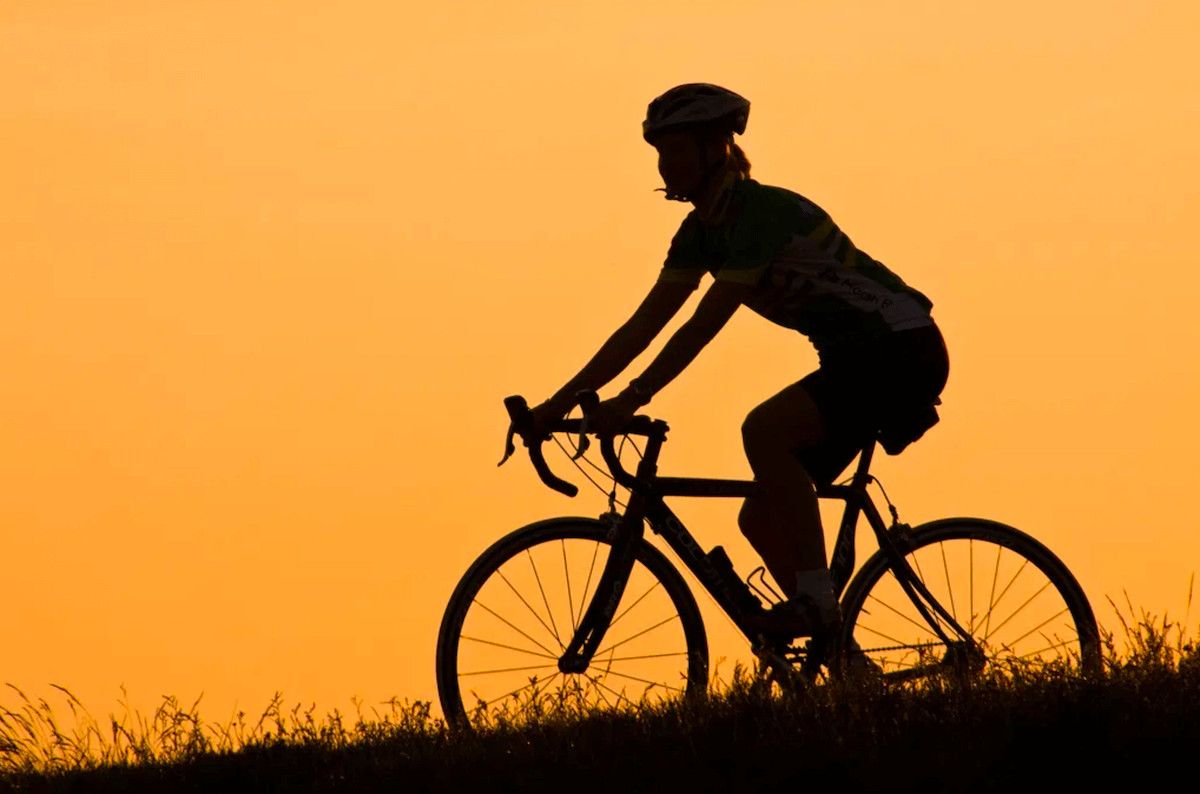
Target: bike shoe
{"x":796,"y":617}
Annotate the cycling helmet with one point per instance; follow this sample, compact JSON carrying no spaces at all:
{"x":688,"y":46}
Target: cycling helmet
{"x":695,"y":104}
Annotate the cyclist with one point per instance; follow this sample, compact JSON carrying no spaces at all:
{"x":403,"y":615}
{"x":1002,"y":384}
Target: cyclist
{"x":882,"y":360}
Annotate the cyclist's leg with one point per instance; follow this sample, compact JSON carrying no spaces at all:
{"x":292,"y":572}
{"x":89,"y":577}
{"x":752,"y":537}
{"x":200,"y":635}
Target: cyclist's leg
{"x":783,"y":523}
{"x":794,"y":439}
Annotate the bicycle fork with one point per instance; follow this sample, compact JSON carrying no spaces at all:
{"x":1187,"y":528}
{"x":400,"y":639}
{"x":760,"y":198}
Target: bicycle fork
{"x":626,"y":534}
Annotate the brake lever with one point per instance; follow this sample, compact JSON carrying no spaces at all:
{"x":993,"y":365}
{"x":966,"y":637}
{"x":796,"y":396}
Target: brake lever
{"x":509,"y":447}
{"x":587,"y":400}
{"x":517,"y":409}
{"x":584,"y":442}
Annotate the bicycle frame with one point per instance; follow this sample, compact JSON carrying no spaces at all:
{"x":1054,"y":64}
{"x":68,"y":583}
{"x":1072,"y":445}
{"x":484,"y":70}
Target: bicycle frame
{"x":713,"y":569}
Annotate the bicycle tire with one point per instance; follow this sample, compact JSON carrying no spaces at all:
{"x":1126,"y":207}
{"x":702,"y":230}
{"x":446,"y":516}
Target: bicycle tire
{"x":883,"y":622}
{"x":530,"y":632}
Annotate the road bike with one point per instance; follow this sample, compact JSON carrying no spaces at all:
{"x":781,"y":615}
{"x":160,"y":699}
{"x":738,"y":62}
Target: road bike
{"x":587,"y":612}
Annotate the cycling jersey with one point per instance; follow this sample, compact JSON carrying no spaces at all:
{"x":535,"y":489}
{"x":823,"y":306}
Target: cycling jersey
{"x":806,"y":273}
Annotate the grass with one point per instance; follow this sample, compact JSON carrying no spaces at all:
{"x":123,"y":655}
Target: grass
{"x":1136,"y":725}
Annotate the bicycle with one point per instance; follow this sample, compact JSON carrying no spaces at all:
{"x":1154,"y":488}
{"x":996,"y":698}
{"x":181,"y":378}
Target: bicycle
{"x":914,"y":608}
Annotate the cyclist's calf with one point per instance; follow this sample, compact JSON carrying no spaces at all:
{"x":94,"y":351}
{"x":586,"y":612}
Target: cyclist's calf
{"x":783,"y":523}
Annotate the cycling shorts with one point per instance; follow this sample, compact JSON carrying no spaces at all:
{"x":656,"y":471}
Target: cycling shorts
{"x":885,"y":388}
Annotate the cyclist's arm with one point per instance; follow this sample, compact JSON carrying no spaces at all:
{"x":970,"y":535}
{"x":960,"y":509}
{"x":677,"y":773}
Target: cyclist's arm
{"x":627,"y":342}
{"x":716,"y":307}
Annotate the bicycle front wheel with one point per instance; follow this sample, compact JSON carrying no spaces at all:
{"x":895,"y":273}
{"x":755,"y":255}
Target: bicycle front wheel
{"x":1020,"y":605}
{"x":517,"y":607}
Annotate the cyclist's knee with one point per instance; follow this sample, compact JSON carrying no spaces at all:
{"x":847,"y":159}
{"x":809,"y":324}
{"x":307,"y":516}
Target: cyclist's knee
{"x":760,"y":436}
{"x":753,"y":518}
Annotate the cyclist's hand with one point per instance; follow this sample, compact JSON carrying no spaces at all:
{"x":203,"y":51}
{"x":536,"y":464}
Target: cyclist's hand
{"x":544,"y":416}
{"x":612,"y":415}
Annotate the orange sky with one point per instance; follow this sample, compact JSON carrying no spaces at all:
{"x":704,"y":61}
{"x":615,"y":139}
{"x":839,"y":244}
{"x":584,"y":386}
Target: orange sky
{"x":269,"y":268}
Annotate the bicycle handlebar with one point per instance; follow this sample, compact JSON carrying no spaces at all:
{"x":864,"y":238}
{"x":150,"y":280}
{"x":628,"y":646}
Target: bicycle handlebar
{"x":520,"y":424}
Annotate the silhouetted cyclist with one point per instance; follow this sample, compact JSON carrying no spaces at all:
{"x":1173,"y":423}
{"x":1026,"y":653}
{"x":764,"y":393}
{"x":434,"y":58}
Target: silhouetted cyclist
{"x":882,"y":360}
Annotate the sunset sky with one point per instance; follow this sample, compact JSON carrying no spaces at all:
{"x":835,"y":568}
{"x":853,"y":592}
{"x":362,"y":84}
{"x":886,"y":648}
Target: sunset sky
{"x":268,"y":269}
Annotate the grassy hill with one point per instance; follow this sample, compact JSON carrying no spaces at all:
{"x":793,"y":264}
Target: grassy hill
{"x":1137,"y":726}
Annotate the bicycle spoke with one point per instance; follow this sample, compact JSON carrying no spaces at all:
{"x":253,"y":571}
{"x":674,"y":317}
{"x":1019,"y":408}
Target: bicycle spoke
{"x":532,"y":611}
{"x":931,"y":602}
{"x":1062,"y":644}
{"x":608,"y":663}
{"x":879,"y":633}
{"x":644,"y":681}
{"x":987,"y":618}
{"x":567,"y":576}
{"x":635,"y":636}
{"x":619,"y":695}
{"x":508,"y":670}
{"x":596,"y":685}
{"x":511,"y":626}
{"x":587,"y":584}
{"x":1017,"y":611}
{"x":625,"y":612}
{"x":916,"y":561}
{"x":509,"y":647}
{"x":544,"y":599}
{"x":949,"y":587}
{"x":971,"y":585}
{"x":995,"y":603}
{"x":923,"y":627}
{"x":647,"y":656}
{"x":532,"y":683}
{"x":1038,"y":627}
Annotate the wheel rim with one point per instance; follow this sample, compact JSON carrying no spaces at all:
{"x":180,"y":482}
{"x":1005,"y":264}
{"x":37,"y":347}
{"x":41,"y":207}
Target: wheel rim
{"x":1016,"y":616}
{"x":522,"y":617}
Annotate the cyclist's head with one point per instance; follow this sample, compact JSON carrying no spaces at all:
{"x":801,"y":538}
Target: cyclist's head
{"x":696,"y":105}
{"x":692,"y":127}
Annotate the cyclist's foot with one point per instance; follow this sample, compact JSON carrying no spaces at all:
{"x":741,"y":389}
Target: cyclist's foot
{"x":812,"y":611}
{"x":796,"y":617}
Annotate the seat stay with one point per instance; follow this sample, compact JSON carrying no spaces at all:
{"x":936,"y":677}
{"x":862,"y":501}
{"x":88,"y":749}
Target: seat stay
{"x":923,"y":600}
{"x":842,"y":562}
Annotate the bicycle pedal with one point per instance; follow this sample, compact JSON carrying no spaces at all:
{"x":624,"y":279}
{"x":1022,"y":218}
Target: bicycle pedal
{"x":772,"y":656}
{"x":789,"y":674}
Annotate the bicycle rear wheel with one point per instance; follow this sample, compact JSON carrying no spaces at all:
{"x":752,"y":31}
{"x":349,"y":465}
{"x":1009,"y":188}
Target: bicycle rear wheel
{"x":1021,"y":606}
{"x":517,"y":607}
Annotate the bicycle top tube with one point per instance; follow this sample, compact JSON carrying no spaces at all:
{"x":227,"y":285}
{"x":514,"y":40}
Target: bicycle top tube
{"x":655,"y":430}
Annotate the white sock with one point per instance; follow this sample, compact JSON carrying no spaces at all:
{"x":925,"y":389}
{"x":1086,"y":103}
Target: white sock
{"x":816,"y":585}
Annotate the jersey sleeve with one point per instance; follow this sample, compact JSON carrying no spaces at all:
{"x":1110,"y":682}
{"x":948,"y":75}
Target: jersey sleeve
{"x":685,"y":258}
